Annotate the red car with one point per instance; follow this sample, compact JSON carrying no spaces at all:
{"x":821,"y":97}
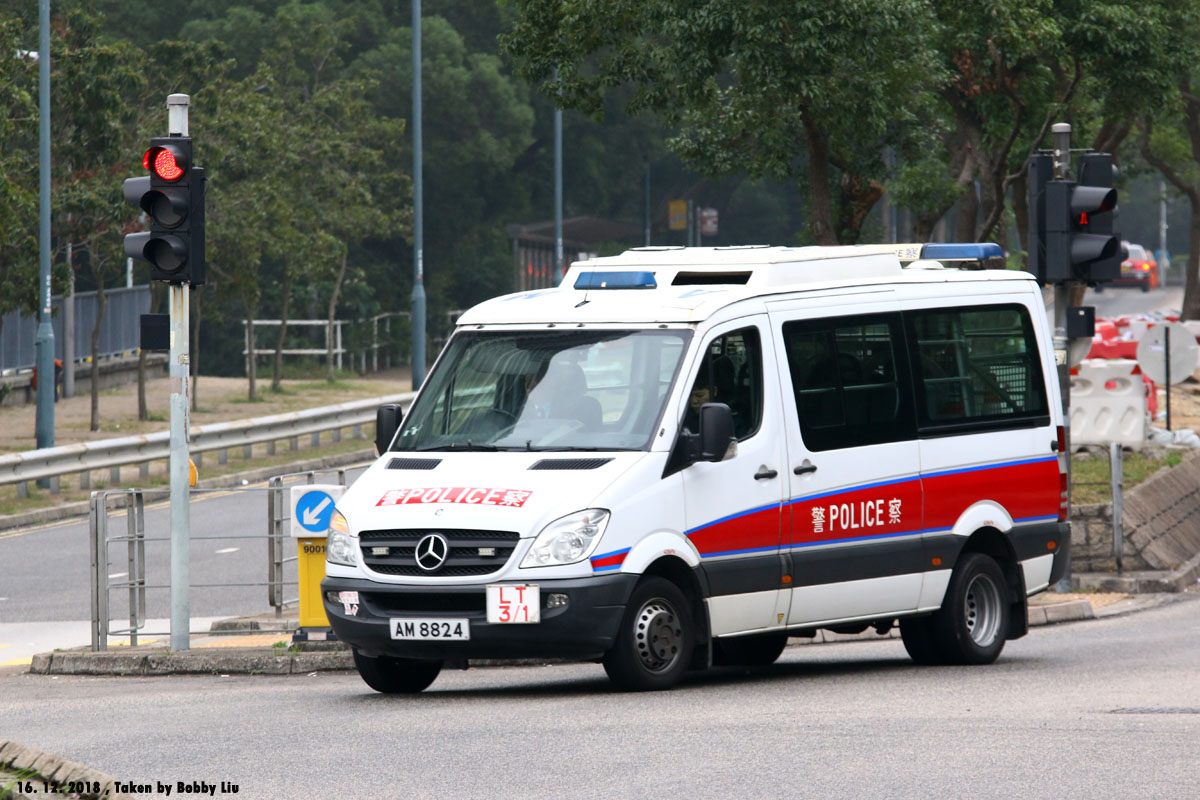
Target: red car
{"x":1139,"y":269}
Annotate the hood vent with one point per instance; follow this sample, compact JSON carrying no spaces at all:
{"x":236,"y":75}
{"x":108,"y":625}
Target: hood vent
{"x":571,"y":463}
{"x":413,"y":463}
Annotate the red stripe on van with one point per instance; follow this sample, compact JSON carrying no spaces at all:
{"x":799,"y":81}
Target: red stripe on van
{"x":753,"y":530}
{"x":887,"y":510}
{"x":1024,"y":490}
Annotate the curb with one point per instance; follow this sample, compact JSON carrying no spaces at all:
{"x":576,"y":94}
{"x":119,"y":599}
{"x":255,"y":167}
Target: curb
{"x":276,"y":661}
{"x":82,"y":508}
{"x":239,"y":660}
{"x":1148,"y":582}
{"x":29,"y":773}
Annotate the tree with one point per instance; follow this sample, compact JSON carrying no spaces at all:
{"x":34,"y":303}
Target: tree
{"x":775,"y":93}
{"x":18,"y":170}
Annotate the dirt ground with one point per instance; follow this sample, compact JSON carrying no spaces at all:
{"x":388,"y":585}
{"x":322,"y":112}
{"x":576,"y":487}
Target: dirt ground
{"x":220,"y":400}
{"x":1185,"y":406}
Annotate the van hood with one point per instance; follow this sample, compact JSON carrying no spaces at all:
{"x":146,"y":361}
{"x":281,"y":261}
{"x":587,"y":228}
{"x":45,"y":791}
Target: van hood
{"x":505,"y":491}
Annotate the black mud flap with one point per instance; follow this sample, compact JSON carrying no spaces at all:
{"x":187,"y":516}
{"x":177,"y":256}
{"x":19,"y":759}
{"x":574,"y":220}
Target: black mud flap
{"x":1018,"y":610}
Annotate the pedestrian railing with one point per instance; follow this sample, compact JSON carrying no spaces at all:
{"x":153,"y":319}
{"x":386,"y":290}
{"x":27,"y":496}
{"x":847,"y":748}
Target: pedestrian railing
{"x":119,"y":599}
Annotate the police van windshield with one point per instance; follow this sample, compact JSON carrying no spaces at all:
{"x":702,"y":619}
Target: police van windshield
{"x":546,"y":390}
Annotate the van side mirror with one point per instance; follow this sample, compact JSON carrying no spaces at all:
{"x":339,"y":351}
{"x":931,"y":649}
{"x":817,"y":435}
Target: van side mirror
{"x":716,"y":432}
{"x":387,"y":421}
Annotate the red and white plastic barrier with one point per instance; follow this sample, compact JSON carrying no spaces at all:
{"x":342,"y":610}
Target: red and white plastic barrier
{"x":1109,"y":403}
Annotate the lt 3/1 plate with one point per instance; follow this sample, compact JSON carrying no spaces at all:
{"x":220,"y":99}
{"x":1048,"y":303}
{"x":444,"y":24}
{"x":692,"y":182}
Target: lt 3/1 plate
{"x":415,"y":628}
{"x":514,"y":603}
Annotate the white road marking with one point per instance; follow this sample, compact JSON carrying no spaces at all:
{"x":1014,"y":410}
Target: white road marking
{"x":117,"y":575}
{"x":227,"y":550}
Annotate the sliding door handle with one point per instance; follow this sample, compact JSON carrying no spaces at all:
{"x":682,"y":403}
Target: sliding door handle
{"x":804,"y":470}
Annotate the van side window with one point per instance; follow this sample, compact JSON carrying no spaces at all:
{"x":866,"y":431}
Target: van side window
{"x":977,"y":365}
{"x":730,"y":373}
{"x":847,"y":381}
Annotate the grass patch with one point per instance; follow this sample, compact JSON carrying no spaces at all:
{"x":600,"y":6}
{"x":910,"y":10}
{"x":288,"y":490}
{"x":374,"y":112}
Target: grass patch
{"x":1091,"y":475}
{"x":325,"y":386}
{"x":243,"y":399}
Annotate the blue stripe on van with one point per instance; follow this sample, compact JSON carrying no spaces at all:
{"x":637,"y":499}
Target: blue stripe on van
{"x":731,"y":517}
{"x":996,"y":465}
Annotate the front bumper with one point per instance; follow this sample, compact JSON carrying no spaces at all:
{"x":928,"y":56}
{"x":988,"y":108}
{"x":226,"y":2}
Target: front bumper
{"x":584,"y":629}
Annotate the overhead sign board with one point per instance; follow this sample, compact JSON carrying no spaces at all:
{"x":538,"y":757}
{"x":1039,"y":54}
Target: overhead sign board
{"x":677,"y":215}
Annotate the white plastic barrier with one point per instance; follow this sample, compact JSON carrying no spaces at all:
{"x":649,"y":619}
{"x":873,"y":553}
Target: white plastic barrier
{"x":1108,"y":404}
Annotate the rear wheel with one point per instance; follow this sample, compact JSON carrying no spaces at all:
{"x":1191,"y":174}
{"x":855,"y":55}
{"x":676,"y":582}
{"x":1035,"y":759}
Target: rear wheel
{"x":971,"y":626}
{"x":656,"y":638}
{"x":751,"y":651}
{"x":396,"y":675}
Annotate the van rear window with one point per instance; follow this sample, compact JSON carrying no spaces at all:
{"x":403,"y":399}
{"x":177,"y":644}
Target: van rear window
{"x":976,"y":365}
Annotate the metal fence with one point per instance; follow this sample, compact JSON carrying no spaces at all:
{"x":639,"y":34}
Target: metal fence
{"x":140,"y":548}
{"x":118,"y":330}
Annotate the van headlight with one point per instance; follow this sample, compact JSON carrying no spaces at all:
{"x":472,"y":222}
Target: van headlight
{"x":568,"y":539}
{"x":340,"y":546}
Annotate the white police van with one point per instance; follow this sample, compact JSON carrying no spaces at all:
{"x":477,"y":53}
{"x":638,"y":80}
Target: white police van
{"x":682,"y":457}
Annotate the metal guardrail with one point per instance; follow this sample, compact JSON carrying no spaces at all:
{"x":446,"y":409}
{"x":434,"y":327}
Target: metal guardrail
{"x":84,"y":457}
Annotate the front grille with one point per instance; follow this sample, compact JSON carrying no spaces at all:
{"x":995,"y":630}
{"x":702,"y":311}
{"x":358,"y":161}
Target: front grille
{"x":387,"y":603}
{"x":393,"y":551}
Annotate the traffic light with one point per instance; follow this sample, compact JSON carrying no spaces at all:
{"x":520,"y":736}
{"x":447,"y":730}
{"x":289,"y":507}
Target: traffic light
{"x":1071,"y":222}
{"x":1096,"y":173}
{"x":173,"y":198}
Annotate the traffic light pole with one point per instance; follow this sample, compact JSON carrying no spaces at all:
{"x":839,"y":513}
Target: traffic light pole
{"x":181,"y":522}
{"x":44,"y":342}
{"x":418,"y":290}
{"x":1062,"y":344}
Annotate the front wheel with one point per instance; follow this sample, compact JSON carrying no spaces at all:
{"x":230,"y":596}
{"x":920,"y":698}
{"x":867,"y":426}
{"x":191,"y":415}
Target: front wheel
{"x":973,"y":621}
{"x":655,"y":642}
{"x":396,"y":675}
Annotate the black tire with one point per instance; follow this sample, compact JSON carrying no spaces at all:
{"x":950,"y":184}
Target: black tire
{"x":655,"y":642}
{"x":750,"y":651}
{"x":971,"y":626}
{"x":1145,"y":286}
{"x":917,"y":634}
{"x":391,"y":675}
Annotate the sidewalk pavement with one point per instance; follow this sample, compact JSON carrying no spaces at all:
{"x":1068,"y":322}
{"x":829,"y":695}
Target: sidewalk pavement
{"x":240,"y":647}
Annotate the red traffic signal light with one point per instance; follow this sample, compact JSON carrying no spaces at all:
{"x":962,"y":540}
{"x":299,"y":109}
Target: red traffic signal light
{"x":172,"y":196}
{"x":167,"y":162}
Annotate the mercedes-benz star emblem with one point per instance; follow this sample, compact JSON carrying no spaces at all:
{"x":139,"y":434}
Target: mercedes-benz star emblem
{"x":431,"y":551}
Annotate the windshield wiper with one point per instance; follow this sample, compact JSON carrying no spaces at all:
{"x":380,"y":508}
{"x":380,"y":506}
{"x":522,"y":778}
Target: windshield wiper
{"x":466,"y":447}
{"x":578,"y":449}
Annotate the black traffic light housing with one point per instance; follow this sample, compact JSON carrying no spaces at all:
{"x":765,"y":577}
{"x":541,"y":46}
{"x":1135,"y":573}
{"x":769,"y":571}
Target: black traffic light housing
{"x":173,"y":198}
{"x":1071,"y":234}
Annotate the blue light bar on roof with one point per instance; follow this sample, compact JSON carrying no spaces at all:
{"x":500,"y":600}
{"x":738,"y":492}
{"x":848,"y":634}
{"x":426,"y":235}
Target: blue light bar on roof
{"x":965,"y":251}
{"x":615,"y":280}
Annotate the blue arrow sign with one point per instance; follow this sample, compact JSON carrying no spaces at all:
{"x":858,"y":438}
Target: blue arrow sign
{"x":313,"y":511}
